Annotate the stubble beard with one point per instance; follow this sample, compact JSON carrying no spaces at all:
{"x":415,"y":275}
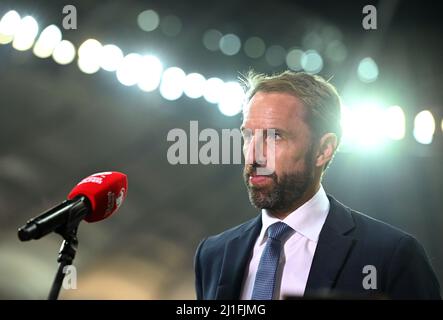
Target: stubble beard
{"x":285,"y":190}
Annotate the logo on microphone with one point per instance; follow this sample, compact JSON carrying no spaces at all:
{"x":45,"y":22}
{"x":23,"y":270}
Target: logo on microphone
{"x":119,"y":200}
{"x":95,"y":178}
{"x":111,"y":201}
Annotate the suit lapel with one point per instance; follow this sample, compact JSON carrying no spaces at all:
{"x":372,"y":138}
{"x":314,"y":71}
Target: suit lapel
{"x":332,"y":250}
{"x":331,"y":253}
{"x":237,"y":253}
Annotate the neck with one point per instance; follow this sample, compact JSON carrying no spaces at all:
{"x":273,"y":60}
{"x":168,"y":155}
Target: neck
{"x":309,"y":193}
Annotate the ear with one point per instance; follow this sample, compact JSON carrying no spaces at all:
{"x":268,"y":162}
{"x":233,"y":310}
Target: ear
{"x":327,"y":146}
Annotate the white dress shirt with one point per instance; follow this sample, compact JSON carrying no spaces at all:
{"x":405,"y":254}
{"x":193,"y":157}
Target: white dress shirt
{"x":298,"y":250}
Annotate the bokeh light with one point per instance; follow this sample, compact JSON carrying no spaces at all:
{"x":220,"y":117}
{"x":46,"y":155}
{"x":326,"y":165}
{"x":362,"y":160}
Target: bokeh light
{"x":172,"y":83}
{"x":394,"y":123}
{"x":111,"y":57}
{"x":90,"y":56}
{"x":47,"y":41}
{"x":424,"y":127}
{"x":25,"y":35}
{"x":367,"y":70}
{"x":293,"y":59}
{"x":230,"y":44}
{"x":254,"y":47}
{"x":231,"y":100}
{"x":363,"y":126}
{"x":64,"y":52}
{"x":150,"y":72}
{"x":211,"y":39}
{"x":312,"y":61}
{"x":213,"y":90}
{"x":128,"y":71}
{"x":9,"y":25}
{"x":194,"y":85}
{"x":148,"y":20}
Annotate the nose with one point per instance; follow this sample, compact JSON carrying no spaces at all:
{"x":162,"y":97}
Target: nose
{"x":255,"y":151}
{"x":249,"y":151}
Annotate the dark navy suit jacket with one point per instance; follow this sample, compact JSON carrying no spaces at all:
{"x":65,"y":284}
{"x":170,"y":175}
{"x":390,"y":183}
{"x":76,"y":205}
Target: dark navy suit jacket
{"x":348,"y":242}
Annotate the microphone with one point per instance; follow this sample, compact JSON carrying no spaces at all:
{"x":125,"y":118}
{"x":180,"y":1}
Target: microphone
{"x":93,"y":199}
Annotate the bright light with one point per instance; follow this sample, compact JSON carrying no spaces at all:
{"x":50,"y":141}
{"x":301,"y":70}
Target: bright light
{"x":150,"y":73}
{"x":148,"y":20}
{"x":213,"y":90}
{"x":363,"y":126}
{"x":88,"y":66}
{"x":367,"y":70}
{"x":312,"y":61}
{"x":64,"y":52}
{"x":230,"y":44}
{"x":367,"y":125}
{"x":25,"y":35}
{"x":89,"y":56}
{"x":171,"y":87}
{"x":111,"y":57}
{"x":194,"y":85}
{"x":8,"y":26}
{"x":231,"y":99}
{"x":47,"y":41}
{"x":424,"y":127}
{"x":128,"y":72}
{"x":394,"y":123}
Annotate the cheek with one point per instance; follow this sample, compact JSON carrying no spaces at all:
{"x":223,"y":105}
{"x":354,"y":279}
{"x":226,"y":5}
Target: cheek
{"x":288,"y":159}
{"x":283,"y":159}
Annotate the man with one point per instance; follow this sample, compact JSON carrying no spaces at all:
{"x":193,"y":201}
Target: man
{"x":305,"y":243}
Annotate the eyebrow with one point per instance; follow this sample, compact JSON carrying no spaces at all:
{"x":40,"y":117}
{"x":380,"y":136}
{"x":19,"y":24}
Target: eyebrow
{"x":242,"y":128}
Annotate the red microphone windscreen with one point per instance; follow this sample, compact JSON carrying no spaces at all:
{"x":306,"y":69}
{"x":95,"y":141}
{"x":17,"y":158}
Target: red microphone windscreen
{"x":105,"y":191}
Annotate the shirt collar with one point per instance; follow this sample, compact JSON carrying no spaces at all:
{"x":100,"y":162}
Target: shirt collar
{"x":306,"y":220}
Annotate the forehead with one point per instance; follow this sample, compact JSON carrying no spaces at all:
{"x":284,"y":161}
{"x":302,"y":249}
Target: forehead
{"x":273,"y":110}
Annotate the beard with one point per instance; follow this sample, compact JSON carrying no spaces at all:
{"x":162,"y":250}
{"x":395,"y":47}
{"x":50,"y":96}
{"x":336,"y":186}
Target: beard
{"x":284,"y":190}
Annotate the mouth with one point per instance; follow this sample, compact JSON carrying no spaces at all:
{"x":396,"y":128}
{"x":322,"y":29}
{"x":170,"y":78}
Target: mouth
{"x":257,"y":180}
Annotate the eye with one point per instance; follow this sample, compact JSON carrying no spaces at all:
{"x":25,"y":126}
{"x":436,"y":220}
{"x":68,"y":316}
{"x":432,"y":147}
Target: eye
{"x":274,"y":136}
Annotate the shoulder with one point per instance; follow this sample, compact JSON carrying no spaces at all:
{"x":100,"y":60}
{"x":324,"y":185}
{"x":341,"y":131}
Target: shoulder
{"x":374,"y":235}
{"x":365,"y":225}
{"x":219,"y":240}
{"x":405,"y":269}
{"x":369,"y":224}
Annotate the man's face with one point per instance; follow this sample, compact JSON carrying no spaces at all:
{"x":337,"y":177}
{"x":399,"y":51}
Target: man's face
{"x":293,"y":169}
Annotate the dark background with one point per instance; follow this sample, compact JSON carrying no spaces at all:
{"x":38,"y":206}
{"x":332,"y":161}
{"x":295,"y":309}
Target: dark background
{"x":59,"y":125}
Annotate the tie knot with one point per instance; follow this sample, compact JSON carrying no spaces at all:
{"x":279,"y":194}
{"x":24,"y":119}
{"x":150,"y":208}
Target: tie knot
{"x":277,"y":230}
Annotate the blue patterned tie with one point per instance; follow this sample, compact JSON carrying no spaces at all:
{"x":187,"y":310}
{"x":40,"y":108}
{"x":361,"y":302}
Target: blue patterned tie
{"x":265,"y":278}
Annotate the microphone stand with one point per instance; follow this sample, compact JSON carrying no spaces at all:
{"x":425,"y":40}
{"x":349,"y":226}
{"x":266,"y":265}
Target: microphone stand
{"x":68,"y":248}
{"x":66,"y":256}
